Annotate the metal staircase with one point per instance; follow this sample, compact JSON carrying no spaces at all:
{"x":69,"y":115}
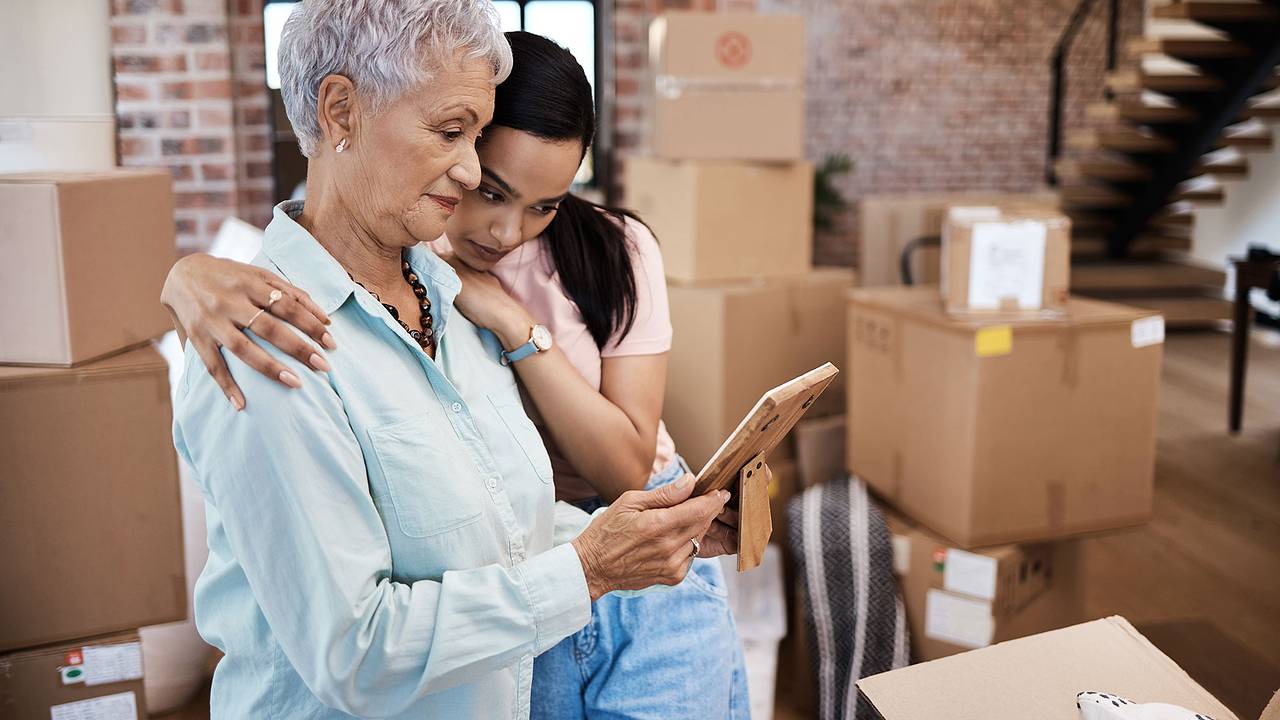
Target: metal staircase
{"x":1160,"y":147}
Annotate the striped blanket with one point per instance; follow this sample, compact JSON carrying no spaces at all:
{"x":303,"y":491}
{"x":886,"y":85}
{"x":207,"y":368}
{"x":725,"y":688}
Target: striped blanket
{"x":854,"y":616}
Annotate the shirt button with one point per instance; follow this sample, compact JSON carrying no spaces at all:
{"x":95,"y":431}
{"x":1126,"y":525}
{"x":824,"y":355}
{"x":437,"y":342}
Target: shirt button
{"x":457,"y":407}
{"x":492,"y":483}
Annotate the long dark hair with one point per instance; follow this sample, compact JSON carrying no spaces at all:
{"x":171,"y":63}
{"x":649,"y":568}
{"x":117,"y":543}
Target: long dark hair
{"x":548,"y":96}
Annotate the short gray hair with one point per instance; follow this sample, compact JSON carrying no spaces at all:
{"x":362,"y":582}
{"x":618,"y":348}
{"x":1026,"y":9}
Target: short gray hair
{"x":383,"y":46}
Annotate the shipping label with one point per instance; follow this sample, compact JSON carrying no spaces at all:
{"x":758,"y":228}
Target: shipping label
{"x":958,"y":620}
{"x":121,"y":706}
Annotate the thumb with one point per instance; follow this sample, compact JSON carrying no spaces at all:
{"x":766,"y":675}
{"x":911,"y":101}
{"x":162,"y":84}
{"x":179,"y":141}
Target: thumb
{"x":665,"y":496}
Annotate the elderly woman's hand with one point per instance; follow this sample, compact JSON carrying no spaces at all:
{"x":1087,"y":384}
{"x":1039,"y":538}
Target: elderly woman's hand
{"x":643,"y":539}
{"x":212,"y":300}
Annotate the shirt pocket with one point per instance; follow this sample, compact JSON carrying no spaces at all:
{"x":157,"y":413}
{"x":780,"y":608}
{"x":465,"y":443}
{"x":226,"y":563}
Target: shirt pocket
{"x":427,"y":483}
{"x":512,"y":414}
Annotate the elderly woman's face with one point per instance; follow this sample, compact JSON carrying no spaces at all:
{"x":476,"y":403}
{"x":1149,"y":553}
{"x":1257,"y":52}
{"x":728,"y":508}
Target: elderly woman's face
{"x":414,"y":160}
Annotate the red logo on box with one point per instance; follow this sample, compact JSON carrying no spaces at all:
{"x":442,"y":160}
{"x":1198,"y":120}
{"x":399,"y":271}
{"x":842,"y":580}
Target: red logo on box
{"x":74,"y":657}
{"x":733,"y":49}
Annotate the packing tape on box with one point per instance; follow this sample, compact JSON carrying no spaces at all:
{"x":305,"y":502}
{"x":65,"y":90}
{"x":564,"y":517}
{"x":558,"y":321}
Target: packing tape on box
{"x":671,"y":87}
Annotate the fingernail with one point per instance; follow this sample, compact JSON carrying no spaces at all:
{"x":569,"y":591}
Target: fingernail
{"x":318,"y":362}
{"x":328,"y":341}
{"x":290,"y":379}
{"x":236,"y":402}
{"x":725,"y":495}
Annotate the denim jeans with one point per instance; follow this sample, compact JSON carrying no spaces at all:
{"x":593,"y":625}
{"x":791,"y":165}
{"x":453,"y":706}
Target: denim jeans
{"x":658,"y":655}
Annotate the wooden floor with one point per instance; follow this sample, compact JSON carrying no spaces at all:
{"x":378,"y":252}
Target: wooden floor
{"x":1202,"y":580}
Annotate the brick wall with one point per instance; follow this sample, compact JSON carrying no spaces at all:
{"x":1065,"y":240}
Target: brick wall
{"x":923,"y":95}
{"x":190,"y":96}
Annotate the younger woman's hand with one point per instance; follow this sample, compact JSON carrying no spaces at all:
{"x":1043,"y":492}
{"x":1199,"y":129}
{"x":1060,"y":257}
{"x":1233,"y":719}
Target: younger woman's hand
{"x":488,"y":305}
{"x":213,"y":300}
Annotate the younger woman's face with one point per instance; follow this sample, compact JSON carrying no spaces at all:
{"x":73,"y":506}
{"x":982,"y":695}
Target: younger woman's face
{"x":523,"y":178}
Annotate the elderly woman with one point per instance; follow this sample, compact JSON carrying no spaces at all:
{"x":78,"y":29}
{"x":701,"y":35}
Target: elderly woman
{"x":384,"y":539}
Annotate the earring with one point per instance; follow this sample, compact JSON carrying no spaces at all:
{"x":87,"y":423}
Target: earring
{"x":342,"y":145}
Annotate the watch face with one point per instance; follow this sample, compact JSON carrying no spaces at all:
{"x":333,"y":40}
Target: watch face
{"x":541,"y":338}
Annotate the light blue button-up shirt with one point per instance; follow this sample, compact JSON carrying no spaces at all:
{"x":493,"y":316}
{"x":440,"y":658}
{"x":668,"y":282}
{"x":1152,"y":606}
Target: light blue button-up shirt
{"x":384,"y":541}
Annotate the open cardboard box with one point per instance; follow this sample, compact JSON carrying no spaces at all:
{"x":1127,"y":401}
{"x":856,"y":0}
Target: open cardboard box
{"x":1039,"y":677}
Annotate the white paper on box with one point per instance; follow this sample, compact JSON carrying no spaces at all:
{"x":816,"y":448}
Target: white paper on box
{"x":1147,"y":331}
{"x":958,"y":620}
{"x":970,"y":574}
{"x":1006,"y":261}
{"x":105,"y":664}
{"x":901,"y":554}
{"x":121,"y":706}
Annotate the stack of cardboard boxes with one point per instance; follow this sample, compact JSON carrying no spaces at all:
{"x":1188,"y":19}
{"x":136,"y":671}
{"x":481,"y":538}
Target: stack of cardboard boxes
{"x":999,"y":417}
{"x":729,"y":196}
{"x":90,"y":519}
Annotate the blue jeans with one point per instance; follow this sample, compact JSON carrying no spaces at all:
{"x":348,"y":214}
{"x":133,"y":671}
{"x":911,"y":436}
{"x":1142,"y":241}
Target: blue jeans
{"x":660,"y":655}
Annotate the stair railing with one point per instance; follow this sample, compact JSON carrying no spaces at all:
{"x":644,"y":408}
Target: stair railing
{"x":1058,"y":65}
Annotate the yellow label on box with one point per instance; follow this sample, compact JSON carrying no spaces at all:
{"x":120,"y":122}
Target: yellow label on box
{"x":993,"y":341}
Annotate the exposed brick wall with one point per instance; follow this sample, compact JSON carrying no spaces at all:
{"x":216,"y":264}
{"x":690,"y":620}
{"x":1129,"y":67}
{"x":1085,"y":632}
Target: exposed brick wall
{"x":190,"y":96}
{"x":923,"y":95}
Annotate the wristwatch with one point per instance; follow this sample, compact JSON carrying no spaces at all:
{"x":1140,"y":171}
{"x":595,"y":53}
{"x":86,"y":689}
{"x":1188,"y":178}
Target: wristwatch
{"x":539,"y":341}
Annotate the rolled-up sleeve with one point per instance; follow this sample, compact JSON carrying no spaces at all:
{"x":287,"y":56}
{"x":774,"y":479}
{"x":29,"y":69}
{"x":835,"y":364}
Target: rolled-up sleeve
{"x":288,"y":481}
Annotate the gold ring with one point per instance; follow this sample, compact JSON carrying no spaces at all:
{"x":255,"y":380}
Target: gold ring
{"x":255,"y":317}
{"x":272,"y":298}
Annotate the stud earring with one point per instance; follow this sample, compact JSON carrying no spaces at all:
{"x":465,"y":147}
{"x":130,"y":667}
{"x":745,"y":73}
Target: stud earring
{"x":342,"y":145}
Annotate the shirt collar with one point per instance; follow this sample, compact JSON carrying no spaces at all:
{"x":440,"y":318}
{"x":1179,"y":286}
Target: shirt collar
{"x":304,"y":262}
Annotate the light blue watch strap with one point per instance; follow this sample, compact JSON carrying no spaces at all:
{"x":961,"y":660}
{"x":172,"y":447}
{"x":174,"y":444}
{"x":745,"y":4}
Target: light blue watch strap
{"x":519,"y":353}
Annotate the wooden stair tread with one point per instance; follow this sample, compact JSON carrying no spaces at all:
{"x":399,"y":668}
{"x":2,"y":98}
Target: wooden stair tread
{"x":1180,"y":311}
{"x":1188,"y":48}
{"x":1261,"y":112}
{"x":1139,"y":112}
{"x":1102,"y":169}
{"x":1148,"y":243}
{"x":1128,"y":275}
{"x":1235,"y":167}
{"x":1118,"y":139}
{"x":1201,"y":196}
{"x":1091,"y":196}
{"x":1216,"y":11}
{"x":1251,"y":140}
{"x":1136,"y":80}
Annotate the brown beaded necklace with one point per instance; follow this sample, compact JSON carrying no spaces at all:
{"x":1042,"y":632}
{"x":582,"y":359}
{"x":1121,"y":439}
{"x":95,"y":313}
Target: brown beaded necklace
{"x":426,"y":336}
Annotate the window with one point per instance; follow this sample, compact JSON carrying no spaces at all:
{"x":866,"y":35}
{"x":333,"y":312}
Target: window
{"x":571,"y":23}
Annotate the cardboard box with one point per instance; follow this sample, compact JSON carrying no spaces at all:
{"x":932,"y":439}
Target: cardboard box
{"x":888,"y":222}
{"x":991,"y":433}
{"x":727,"y":86}
{"x":820,"y":449}
{"x":1039,"y":677}
{"x":95,"y":679}
{"x":959,"y":600}
{"x":699,"y":213}
{"x":758,"y":602}
{"x":734,"y":341}
{"x":1007,"y":260}
{"x":83,"y":257}
{"x":90,"y":517}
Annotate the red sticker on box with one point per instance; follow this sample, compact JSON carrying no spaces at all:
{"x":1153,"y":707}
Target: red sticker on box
{"x":74,"y":657}
{"x":733,"y":49}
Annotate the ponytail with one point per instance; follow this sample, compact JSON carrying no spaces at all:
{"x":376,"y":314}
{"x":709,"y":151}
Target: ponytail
{"x":592,"y":253}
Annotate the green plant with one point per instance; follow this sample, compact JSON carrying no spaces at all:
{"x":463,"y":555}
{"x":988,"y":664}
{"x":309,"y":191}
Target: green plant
{"x":828,"y":202}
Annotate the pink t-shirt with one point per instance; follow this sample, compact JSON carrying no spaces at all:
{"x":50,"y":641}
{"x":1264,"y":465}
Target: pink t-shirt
{"x":528,"y":273}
